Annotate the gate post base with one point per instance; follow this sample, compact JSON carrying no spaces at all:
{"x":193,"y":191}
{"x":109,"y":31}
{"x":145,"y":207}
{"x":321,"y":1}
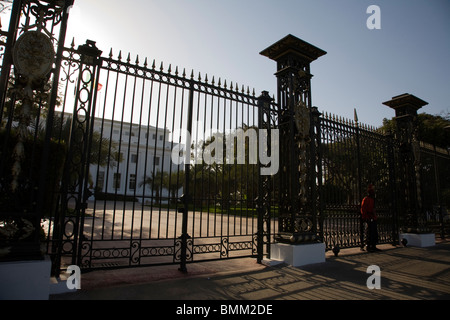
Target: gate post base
{"x":25,"y":280}
{"x":420,"y":240}
{"x":298,"y":255}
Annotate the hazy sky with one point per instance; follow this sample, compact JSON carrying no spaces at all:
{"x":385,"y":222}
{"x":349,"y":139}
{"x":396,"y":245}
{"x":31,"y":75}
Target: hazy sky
{"x":362,"y":68}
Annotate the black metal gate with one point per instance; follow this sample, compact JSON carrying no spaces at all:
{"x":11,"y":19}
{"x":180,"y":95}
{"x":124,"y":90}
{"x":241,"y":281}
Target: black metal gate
{"x":114,"y":161}
{"x":152,"y":173}
{"x":352,"y":157}
{"x":30,"y":55}
{"x":140,"y":164}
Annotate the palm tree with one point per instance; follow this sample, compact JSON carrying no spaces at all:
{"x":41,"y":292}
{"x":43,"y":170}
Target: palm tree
{"x":155,"y":182}
{"x":173,"y":183}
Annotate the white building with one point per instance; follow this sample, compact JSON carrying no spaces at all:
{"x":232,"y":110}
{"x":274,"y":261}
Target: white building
{"x":137,"y":152}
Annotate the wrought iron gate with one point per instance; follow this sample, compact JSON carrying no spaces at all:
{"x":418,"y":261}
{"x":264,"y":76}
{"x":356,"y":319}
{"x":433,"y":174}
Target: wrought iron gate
{"x":139,"y":185}
{"x":352,"y":157}
{"x":126,"y":176}
{"x":31,"y":52}
{"x":124,"y":162}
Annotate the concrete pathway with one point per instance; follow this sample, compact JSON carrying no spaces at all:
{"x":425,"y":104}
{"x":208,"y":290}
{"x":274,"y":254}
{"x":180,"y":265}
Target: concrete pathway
{"x":406,"y":274}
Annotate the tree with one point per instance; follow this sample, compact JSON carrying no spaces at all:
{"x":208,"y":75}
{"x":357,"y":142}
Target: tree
{"x":431,"y":128}
{"x":225,"y":182}
{"x":156,"y":183}
{"x":103,"y":152}
{"x":173,"y":182}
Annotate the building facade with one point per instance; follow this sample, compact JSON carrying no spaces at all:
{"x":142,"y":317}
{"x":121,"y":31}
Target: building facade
{"x":133,"y":160}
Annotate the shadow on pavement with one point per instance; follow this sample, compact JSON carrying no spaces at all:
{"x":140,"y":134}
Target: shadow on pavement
{"x":406,"y":273}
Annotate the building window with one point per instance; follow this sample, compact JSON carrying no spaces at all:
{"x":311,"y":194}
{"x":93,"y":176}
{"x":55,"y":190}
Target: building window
{"x":154,"y":136}
{"x":156,"y":161}
{"x":116,"y":181}
{"x":132,"y":182}
{"x":161,"y":137}
{"x":100,"y":180}
{"x":134,"y":158}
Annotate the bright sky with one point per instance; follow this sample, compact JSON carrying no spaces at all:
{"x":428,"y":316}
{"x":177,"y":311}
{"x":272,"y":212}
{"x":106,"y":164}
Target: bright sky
{"x":362,"y":68}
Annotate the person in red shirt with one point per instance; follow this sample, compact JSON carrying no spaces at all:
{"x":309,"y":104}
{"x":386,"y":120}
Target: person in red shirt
{"x":370,"y":218}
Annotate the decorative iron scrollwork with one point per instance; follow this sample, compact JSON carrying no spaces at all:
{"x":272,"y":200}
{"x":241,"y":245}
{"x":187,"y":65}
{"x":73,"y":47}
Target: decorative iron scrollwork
{"x":178,"y":249}
{"x":43,"y":12}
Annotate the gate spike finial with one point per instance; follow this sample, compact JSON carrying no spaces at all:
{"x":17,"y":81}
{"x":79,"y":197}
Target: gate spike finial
{"x":213,"y":81}
{"x":120,"y":55}
{"x":145,"y":62}
{"x":72,"y":45}
{"x":110,"y":53}
{"x":170,"y":68}
{"x":176,"y":70}
{"x":161,"y":68}
{"x":128,"y":58}
{"x":153,"y":64}
{"x":137,"y":60}
{"x":192,"y":74}
{"x":184,"y":72}
{"x":355,"y":115}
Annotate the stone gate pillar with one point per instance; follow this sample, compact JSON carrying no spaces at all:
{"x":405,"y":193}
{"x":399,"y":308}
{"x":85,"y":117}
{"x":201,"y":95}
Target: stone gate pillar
{"x":408,"y":169}
{"x":297,"y":223}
